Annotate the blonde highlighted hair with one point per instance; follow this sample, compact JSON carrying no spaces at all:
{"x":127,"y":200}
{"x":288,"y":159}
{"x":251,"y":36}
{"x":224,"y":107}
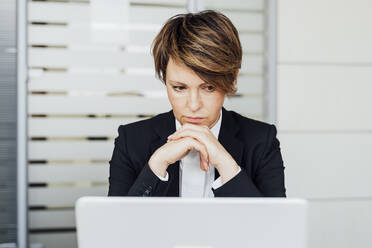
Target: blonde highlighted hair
{"x":207,"y":42}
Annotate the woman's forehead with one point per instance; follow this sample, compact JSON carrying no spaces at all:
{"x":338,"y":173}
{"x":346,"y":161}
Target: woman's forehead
{"x":181,"y":74}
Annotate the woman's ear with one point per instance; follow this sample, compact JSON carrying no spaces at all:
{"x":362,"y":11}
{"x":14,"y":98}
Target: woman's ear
{"x":236,"y":77}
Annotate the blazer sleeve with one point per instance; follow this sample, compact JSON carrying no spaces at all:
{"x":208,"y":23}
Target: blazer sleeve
{"x":268,"y":179}
{"x":123,"y":179}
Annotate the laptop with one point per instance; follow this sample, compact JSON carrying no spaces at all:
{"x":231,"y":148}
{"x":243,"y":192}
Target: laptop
{"x":158,"y":222}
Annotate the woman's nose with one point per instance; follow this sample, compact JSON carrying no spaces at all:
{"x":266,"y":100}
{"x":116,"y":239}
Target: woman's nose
{"x":194,"y":101}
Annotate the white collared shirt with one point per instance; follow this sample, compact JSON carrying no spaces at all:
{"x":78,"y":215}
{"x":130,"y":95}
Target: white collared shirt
{"x":195,"y":182}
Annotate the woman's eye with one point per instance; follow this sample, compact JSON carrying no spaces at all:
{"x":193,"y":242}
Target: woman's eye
{"x":178,"y":88}
{"x":209,"y":88}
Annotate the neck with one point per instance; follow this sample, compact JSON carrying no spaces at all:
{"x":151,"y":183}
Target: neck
{"x":214,"y":123}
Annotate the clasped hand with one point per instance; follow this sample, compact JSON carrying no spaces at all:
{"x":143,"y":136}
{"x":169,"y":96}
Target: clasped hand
{"x":200,"y":138}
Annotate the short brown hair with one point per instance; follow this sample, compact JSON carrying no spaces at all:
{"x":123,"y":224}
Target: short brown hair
{"x":207,"y":42}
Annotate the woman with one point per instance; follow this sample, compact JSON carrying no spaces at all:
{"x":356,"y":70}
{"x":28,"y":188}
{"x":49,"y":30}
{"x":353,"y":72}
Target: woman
{"x":198,"y":149}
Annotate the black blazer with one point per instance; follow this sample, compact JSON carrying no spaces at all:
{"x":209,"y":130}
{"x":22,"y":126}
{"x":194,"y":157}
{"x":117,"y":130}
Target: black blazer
{"x":253,"y":145}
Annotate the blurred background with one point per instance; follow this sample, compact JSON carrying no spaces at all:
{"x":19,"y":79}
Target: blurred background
{"x":72,"y":71}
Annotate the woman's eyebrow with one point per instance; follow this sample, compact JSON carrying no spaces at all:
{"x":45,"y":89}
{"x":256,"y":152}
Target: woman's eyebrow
{"x":177,"y":82}
{"x":173,"y":81}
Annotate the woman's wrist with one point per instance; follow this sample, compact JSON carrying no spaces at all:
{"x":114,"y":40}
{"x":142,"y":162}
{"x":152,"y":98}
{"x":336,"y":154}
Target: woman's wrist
{"x":228,"y":170}
{"x":157,"y":167}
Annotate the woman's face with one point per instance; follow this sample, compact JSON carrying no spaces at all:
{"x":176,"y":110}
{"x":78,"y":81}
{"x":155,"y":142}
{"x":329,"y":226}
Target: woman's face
{"x":193,"y":100}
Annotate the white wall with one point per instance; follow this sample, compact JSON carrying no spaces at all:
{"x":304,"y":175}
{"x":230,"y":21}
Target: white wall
{"x":324,"y":116}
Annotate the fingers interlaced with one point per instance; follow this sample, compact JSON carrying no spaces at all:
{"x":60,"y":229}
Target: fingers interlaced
{"x":190,"y":127}
{"x":194,"y":144}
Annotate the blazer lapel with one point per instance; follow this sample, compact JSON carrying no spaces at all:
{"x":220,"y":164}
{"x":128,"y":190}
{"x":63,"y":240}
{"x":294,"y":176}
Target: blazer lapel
{"x":164,"y":127}
{"x":228,"y":138}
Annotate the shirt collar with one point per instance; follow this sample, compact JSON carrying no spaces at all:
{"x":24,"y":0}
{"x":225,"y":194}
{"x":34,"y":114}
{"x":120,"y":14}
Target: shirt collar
{"x":215,"y":129}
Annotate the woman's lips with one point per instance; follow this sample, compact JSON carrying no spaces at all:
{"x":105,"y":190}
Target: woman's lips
{"x":194,"y":119}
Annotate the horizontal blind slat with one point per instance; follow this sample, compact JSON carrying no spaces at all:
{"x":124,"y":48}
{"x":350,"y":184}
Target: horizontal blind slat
{"x":79,"y":13}
{"x":78,"y":127}
{"x":51,"y":196}
{"x":80,"y":35}
{"x":67,"y":173}
{"x":48,"y":104}
{"x":94,"y":82}
{"x":57,"y":150}
{"x":235,"y":4}
{"x":45,"y":219}
{"x":67,"y":58}
{"x":55,"y":240}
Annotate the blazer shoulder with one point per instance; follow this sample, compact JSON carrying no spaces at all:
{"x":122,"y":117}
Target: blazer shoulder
{"x":144,"y":125}
{"x":254,"y":129}
{"x":249,"y":122}
{"x":142,"y":131}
